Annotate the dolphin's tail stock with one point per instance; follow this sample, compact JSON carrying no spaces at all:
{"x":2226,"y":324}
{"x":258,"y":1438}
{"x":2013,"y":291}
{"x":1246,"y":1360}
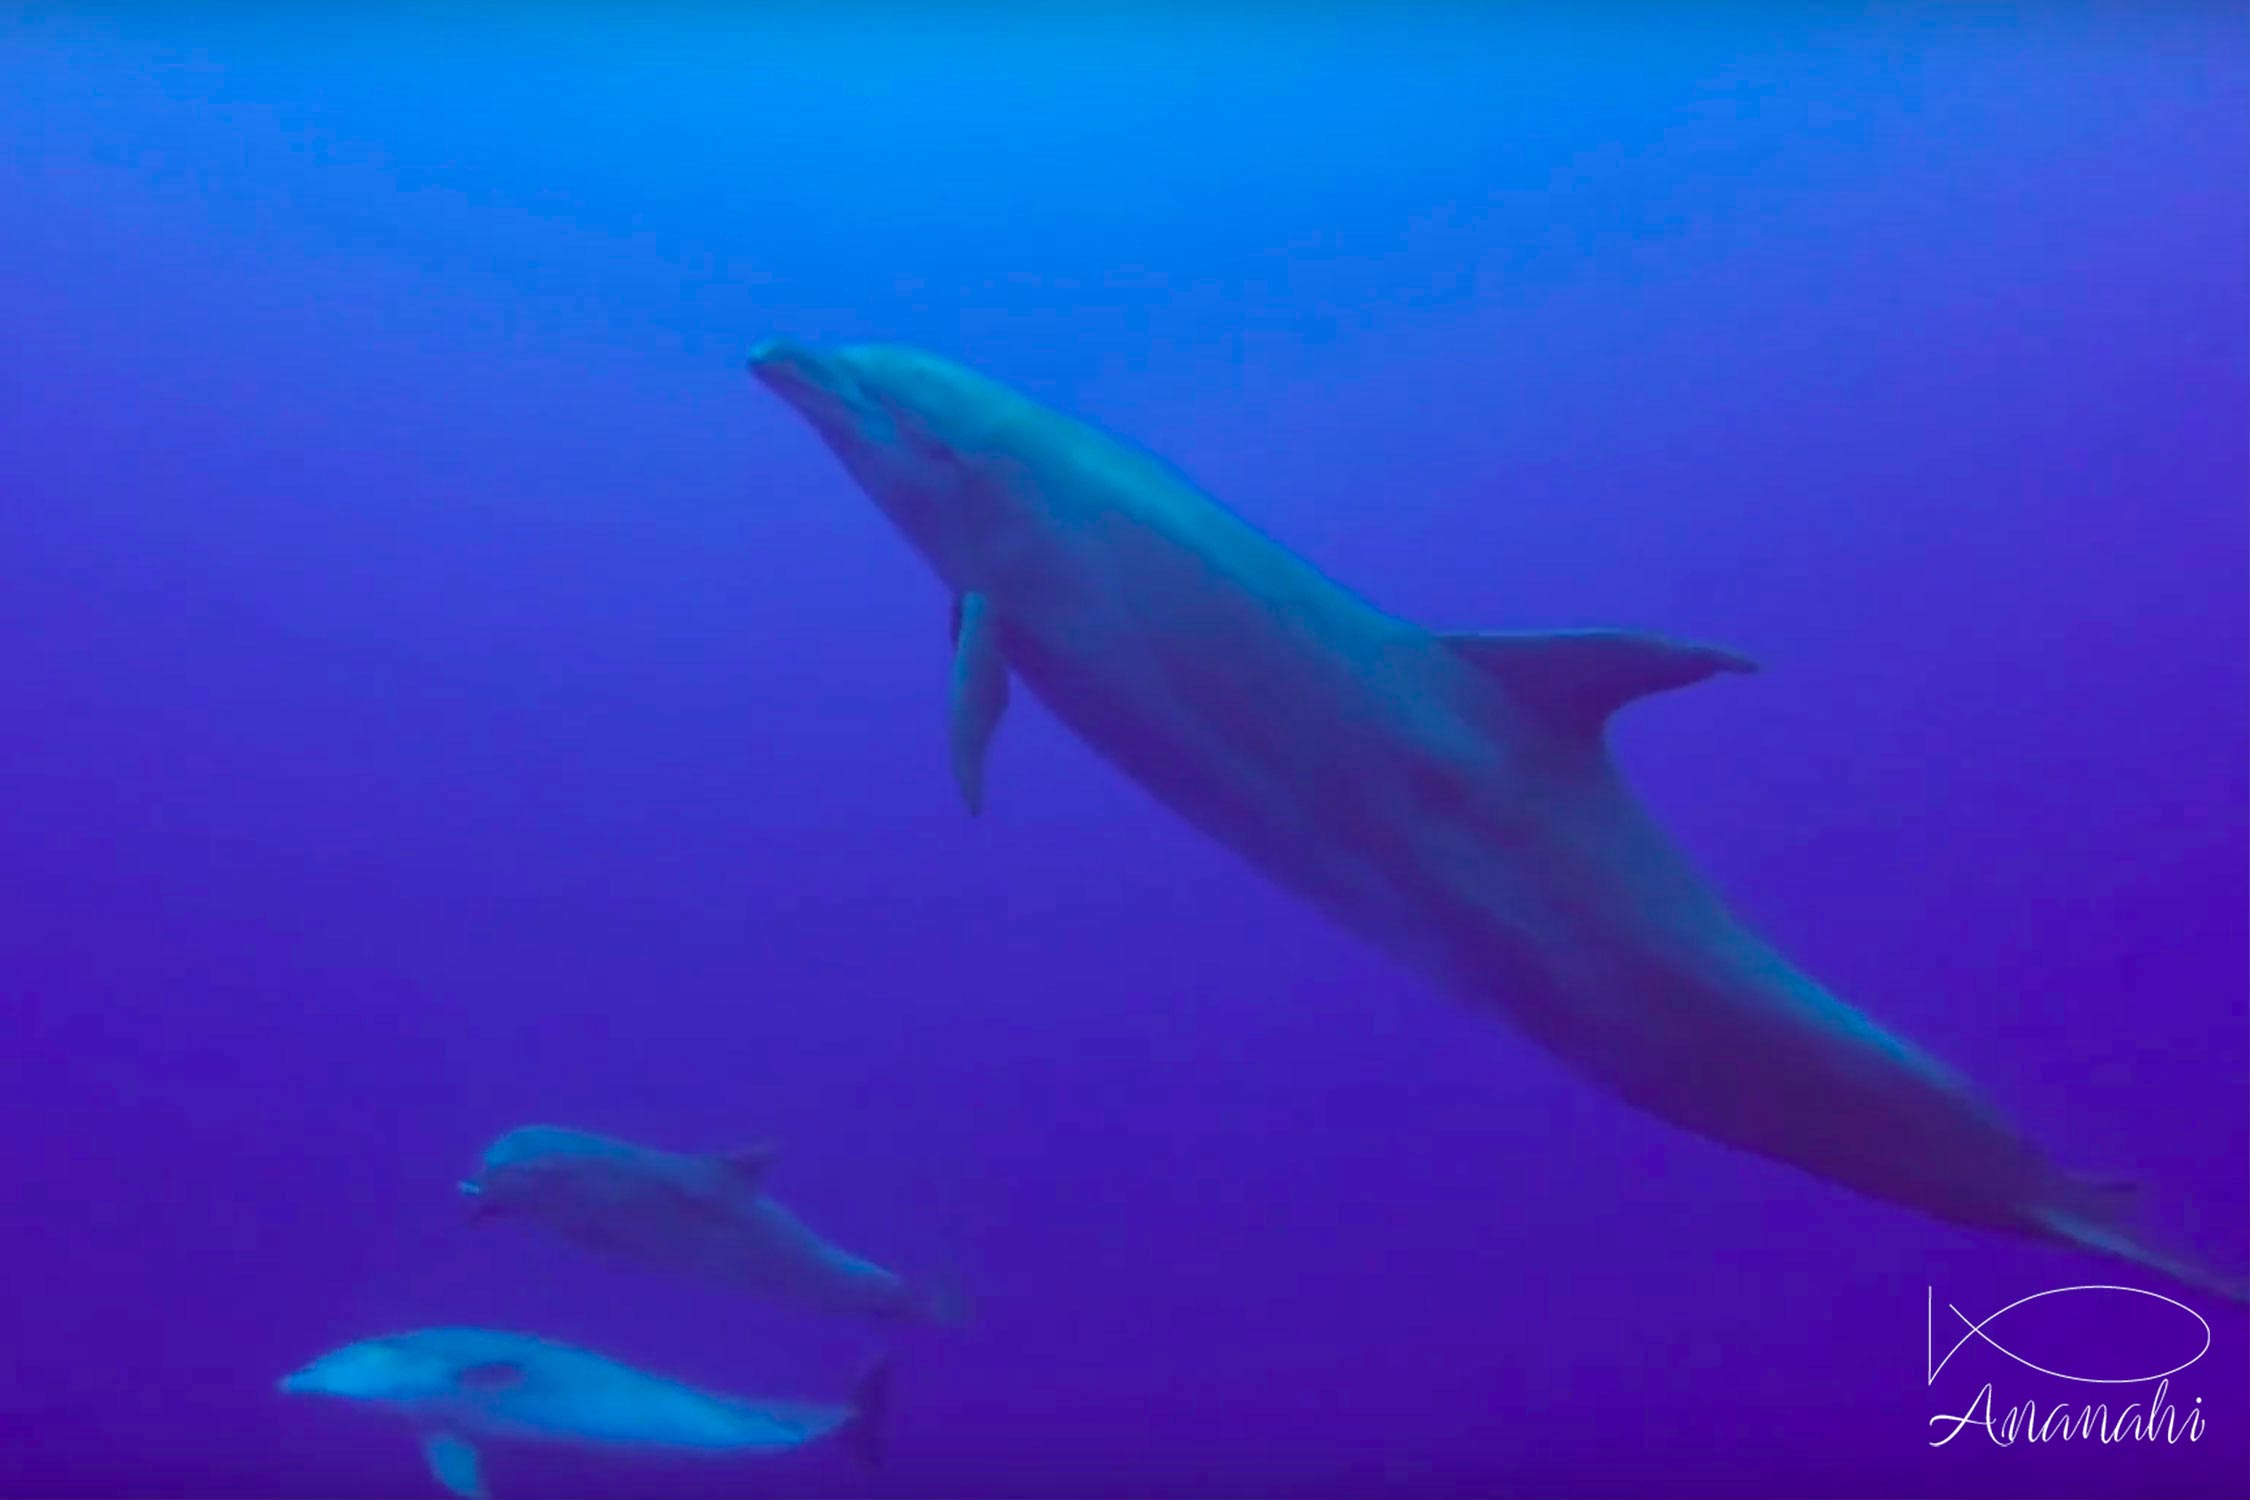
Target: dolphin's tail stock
{"x":862,"y":1431}
{"x":2096,"y":1213}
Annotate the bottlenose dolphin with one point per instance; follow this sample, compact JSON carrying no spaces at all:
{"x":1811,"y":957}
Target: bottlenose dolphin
{"x":1451,"y":797}
{"x":458,"y":1384}
{"x":703,"y":1216}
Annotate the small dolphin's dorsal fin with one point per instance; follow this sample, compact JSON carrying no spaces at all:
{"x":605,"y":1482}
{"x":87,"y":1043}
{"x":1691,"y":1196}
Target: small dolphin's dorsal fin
{"x":980,"y":693}
{"x":453,"y":1461}
{"x":490,"y":1375}
{"x":1576,"y":678}
{"x":749,"y":1164}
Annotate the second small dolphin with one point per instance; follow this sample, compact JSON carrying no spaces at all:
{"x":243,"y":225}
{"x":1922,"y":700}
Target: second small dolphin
{"x":459,"y":1384}
{"x":699,"y":1215}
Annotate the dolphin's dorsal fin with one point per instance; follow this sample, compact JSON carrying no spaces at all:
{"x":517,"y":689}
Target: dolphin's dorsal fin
{"x":453,"y":1460}
{"x":749,"y":1164}
{"x":1575,"y":679}
{"x":980,"y":693}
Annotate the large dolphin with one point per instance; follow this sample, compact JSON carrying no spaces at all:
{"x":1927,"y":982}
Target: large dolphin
{"x":1448,"y":796}
{"x":455,"y":1385}
{"x":704,"y":1216}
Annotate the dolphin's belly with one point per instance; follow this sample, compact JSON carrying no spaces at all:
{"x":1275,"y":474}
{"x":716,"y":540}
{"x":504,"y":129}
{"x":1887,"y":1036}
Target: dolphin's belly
{"x":650,"y":1218}
{"x":1317,"y":738}
{"x":1334,"y":750}
{"x":1609,"y":955}
{"x":640,"y":1220}
{"x":783,"y":1257}
{"x":1236,"y":791}
{"x":1583,"y":925}
{"x":1246,"y":694}
{"x":640,"y":1412}
{"x":1728,"y":1040}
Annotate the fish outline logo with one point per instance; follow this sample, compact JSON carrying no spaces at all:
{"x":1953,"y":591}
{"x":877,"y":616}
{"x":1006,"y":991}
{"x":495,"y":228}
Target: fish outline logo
{"x":1932,"y":1363}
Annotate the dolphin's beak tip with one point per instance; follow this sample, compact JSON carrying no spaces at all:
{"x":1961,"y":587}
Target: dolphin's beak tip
{"x":763,"y":354}
{"x":789,"y":367}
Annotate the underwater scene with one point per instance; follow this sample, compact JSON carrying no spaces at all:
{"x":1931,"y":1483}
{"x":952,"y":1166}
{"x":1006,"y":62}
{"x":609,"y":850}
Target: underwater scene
{"x":1109,"y":750}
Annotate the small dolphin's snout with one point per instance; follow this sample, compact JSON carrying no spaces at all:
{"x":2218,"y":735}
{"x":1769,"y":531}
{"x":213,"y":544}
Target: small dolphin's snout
{"x":788,"y":366}
{"x":295,"y":1382}
{"x":771,"y":357}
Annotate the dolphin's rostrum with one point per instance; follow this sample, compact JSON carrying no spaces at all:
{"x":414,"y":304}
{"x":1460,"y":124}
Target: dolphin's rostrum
{"x":1450,"y":797}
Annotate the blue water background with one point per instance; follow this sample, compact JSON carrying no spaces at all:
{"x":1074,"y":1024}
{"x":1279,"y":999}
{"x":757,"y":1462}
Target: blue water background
{"x":439,"y":692}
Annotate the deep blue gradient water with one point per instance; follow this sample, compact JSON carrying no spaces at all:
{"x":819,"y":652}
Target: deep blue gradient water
{"x":439,"y":692}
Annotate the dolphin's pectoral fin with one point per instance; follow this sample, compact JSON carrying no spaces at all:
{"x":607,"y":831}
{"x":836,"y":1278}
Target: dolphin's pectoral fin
{"x":749,"y":1164}
{"x":453,"y":1460}
{"x":1577,"y":678}
{"x":980,"y":693}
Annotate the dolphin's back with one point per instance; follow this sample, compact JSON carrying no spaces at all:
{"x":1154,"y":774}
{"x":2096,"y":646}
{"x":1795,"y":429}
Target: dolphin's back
{"x":691,"y":1215}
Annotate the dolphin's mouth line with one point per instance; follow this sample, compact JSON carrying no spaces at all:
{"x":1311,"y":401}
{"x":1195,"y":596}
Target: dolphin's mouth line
{"x":782,"y":364}
{"x":815,"y":382}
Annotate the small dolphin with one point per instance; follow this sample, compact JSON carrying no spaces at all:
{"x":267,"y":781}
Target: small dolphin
{"x":457,"y":1384}
{"x":1449,"y":796}
{"x":701,"y":1216}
